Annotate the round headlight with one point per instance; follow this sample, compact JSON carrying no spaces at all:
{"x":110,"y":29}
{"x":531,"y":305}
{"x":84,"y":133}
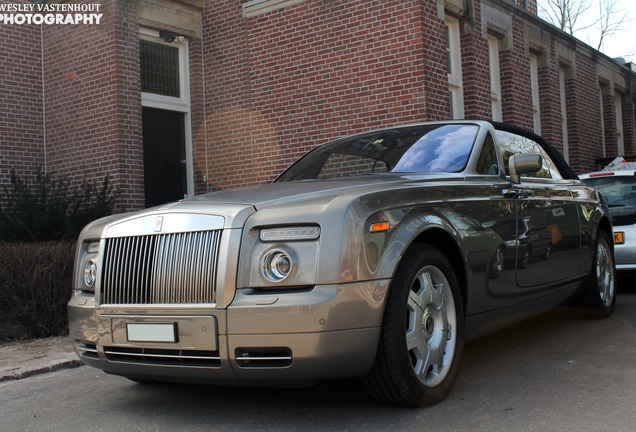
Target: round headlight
{"x":90,"y":273}
{"x":276,"y":265}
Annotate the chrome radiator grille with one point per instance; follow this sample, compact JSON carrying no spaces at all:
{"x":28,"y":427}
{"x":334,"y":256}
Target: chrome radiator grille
{"x":161,"y":269}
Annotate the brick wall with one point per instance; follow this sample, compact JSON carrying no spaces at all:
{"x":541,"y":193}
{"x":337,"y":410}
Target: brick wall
{"x":549,"y":97}
{"x":609,"y":117}
{"x":224,"y":128}
{"x":92,"y":100}
{"x":434,"y":67}
{"x":629,"y":126}
{"x":21,"y":104}
{"x":197,"y":105}
{"x":267,"y":88}
{"x":528,"y":5}
{"x":290,"y":79}
{"x":476,"y":70}
{"x":516,"y":87}
{"x":584,"y":131}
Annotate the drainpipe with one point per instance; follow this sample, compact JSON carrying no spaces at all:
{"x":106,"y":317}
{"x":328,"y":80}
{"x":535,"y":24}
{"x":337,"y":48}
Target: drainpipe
{"x":44,"y":140}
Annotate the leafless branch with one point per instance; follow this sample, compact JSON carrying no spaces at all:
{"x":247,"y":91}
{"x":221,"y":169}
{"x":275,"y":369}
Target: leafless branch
{"x":564,"y":14}
{"x":611,"y":20}
{"x":597,"y":19}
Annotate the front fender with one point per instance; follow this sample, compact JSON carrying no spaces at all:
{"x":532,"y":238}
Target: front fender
{"x":382,"y":251}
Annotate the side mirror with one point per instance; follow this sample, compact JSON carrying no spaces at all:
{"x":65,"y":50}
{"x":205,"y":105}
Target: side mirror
{"x":523,"y":164}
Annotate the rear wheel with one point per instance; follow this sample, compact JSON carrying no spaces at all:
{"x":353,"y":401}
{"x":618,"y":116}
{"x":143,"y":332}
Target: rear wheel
{"x":421,"y":342}
{"x":597,"y":297}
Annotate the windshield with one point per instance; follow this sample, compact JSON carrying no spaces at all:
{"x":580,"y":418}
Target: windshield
{"x":619,"y":191}
{"x":412,"y":149}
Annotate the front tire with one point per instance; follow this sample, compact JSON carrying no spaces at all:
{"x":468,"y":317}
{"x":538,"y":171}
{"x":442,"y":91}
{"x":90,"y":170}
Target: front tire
{"x":597,"y":297}
{"x":421,"y":341}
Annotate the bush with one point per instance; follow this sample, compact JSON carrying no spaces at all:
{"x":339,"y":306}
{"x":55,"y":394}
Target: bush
{"x":50,"y":210}
{"x":40,"y":221}
{"x":35,"y":285}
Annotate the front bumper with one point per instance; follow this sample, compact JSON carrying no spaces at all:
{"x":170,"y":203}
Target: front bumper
{"x":306,"y":335}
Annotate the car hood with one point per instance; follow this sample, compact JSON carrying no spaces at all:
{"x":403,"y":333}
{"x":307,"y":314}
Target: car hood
{"x":231,"y":208}
{"x":272,"y":194}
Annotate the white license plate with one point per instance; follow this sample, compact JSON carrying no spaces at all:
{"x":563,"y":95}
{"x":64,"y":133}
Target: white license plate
{"x":152,"y":332}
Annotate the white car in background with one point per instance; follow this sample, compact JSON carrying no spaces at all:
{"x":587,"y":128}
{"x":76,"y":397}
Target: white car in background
{"x":619,"y":189}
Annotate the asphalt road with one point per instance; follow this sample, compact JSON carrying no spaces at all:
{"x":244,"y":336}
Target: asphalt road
{"x":552,"y":373}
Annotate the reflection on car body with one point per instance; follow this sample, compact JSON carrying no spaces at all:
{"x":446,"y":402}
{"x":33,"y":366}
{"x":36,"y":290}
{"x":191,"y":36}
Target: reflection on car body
{"x":486,"y":246}
{"x":375,"y":255}
{"x":525,"y":239}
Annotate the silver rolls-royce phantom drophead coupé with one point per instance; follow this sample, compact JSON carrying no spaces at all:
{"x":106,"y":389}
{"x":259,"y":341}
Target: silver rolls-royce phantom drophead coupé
{"x":375,"y":255}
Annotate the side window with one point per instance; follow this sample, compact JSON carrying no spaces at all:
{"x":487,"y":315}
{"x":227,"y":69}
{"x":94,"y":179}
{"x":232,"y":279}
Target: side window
{"x":512,"y":144}
{"x":487,"y":162}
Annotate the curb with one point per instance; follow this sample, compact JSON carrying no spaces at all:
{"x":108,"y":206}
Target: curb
{"x":40,"y":366}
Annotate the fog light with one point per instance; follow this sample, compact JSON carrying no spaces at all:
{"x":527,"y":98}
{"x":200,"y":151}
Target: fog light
{"x":90,"y":272}
{"x":276,"y":265}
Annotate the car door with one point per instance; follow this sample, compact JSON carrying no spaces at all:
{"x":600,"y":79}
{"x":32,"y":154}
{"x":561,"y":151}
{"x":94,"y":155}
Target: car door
{"x":547,"y":238}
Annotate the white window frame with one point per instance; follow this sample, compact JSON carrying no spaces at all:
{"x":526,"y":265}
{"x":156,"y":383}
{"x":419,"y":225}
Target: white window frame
{"x":258,"y":7}
{"x":495,"y":78}
{"x":601,"y":92}
{"x":564,"y":115}
{"x":179,"y":104}
{"x":534,"y":85}
{"x":620,"y":138}
{"x":455,"y":84}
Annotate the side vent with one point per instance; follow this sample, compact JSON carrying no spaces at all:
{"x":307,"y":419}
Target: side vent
{"x":263,"y":357}
{"x":87,"y":350}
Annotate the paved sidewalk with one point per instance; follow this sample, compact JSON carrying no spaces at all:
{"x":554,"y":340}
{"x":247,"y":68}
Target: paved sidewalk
{"x":22,"y":359}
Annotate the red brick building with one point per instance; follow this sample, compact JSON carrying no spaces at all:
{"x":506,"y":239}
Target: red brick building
{"x":181,"y":97}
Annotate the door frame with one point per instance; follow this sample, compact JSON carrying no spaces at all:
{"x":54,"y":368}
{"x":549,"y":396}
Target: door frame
{"x":180,"y":104}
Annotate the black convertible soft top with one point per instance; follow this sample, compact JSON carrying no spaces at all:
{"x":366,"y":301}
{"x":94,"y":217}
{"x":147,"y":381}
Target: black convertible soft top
{"x":558,"y":159}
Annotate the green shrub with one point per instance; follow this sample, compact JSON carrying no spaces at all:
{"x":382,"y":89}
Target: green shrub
{"x":45,"y":209}
{"x":40,"y":220}
{"x":35,"y":285}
